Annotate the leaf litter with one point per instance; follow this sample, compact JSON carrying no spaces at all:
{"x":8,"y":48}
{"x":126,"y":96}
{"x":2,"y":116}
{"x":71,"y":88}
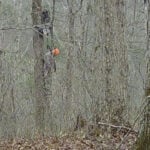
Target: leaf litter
{"x":71,"y":142}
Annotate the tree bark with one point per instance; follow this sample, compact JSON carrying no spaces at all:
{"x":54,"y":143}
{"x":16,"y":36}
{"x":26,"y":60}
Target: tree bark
{"x":143,"y":143}
{"x":70,"y":57}
{"x":48,"y":78}
{"x":40,"y":94}
{"x":52,"y":25}
{"x":108,"y":49}
{"x":116,"y":67}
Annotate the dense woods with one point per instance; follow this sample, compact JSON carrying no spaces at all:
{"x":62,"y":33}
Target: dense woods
{"x":75,"y":74}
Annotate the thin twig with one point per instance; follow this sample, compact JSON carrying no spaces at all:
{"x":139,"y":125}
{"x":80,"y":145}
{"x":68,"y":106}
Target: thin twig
{"x":15,"y":28}
{"x":114,"y":126}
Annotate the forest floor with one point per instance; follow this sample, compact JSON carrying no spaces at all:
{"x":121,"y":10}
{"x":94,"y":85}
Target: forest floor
{"x":120,"y":141}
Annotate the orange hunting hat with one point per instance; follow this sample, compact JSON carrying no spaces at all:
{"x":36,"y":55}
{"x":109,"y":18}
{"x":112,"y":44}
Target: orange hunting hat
{"x":55,"y":51}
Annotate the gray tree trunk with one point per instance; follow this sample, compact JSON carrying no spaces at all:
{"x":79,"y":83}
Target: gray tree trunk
{"x":49,"y":76}
{"x":143,"y":142}
{"x":116,"y":67}
{"x":40,"y":94}
{"x":70,"y":57}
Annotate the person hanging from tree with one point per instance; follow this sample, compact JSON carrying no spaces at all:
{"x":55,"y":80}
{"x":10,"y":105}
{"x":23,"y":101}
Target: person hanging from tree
{"x":49,"y":60}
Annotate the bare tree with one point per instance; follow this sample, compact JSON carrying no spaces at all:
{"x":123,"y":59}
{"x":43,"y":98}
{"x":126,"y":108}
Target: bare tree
{"x":70,"y":56}
{"x":40,"y":94}
{"x":115,"y":60}
{"x":144,"y":138}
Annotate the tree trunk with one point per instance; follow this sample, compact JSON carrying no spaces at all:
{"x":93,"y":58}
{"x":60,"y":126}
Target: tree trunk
{"x":52,"y":25}
{"x":70,"y":57}
{"x":143,"y":143}
{"x":40,"y":94}
{"x":108,"y":35}
{"x":115,"y":60}
{"x":49,"y":77}
{"x":122,"y":61}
